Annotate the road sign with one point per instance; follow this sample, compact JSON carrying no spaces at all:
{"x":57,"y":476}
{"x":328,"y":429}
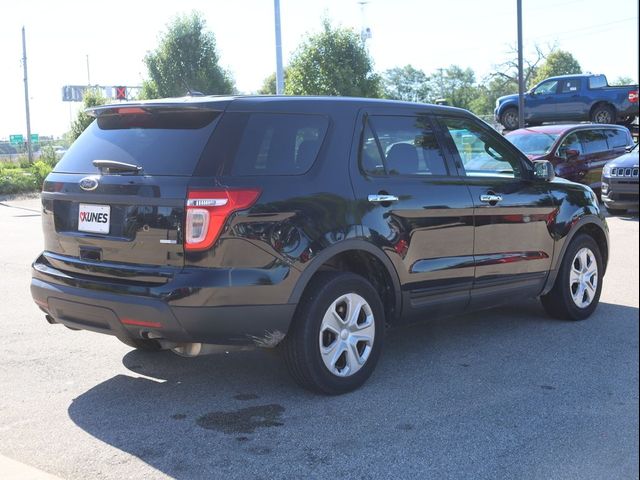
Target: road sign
{"x":121,"y":93}
{"x":74,"y":93}
{"x":35,"y":138}
{"x":16,"y":139}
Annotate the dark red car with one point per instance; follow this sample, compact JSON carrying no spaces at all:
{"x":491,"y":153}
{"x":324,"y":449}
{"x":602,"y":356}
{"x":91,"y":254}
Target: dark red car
{"x":578,"y":152}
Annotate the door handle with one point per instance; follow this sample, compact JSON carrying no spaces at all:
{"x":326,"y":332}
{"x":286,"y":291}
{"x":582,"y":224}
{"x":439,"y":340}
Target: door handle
{"x":382,"y":198}
{"x":490,"y":198}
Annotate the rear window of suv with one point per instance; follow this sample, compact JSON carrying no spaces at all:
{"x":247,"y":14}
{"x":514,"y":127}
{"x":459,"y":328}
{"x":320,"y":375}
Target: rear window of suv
{"x":162,"y":142}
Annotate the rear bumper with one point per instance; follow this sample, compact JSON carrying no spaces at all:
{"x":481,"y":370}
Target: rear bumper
{"x":150,"y":315}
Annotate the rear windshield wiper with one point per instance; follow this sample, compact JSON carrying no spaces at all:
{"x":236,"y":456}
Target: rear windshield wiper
{"x":108,"y":166}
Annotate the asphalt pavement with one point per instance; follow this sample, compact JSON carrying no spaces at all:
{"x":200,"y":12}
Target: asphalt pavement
{"x":505,"y":393}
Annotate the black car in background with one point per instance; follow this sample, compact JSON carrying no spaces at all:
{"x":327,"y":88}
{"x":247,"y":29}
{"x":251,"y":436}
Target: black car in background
{"x":620,"y":183}
{"x":307,"y":224}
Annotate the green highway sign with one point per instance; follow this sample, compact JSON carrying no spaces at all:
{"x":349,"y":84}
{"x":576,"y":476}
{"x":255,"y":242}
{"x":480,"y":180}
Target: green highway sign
{"x":35,"y":138}
{"x":16,"y":139}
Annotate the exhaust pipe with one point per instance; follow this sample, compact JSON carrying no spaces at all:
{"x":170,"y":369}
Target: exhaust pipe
{"x":50,"y":319}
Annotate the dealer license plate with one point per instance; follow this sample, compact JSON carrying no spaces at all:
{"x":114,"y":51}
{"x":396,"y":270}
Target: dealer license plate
{"x":94,"y":218}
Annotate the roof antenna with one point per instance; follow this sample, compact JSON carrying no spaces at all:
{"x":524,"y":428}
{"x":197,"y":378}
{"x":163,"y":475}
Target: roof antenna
{"x":191,"y":93}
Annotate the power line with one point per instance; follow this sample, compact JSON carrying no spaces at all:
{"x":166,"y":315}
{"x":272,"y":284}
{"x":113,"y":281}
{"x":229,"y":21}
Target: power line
{"x":587,"y":28}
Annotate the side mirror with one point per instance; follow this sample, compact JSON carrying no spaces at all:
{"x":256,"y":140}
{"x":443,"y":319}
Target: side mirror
{"x":543,"y":170}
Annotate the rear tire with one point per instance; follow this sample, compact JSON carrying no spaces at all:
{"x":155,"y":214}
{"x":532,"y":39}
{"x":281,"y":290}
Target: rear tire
{"x":337,"y":333}
{"x":576,"y":291}
{"x":603,"y":114}
{"x":509,"y":118}
{"x":142,"y":344}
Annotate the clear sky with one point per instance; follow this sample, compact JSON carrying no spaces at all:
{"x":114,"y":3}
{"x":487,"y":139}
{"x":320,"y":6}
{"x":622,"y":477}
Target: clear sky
{"x":602,"y":35}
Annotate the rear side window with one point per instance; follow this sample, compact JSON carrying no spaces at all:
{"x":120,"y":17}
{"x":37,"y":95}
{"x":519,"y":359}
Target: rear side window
{"x":593,"y":141}
{"x":276,"y":143}
{"x":597,"y":81}
{"x":167,"y":142}
{"x":617,"y":138}
{"x":401,"y":145}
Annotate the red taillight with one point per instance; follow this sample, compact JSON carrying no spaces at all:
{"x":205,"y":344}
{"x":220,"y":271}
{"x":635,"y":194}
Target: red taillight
{"x":633,"y":96}
{"x":131,"y":111}
{"x":208,"y":211}
{"x":140,"y":323}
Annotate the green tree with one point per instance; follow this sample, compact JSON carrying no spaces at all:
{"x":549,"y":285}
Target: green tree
{"x":332,"y":62}
{"x":456,"y":85}
{"x":488,"y":92}
{"x":508,"y":70}
{"x":185,"y":60}
{"x":269,"y":84}
{"x":91,"y":98}
{"x":406,"y":83}
{"x":558,"y":62}
{"x":624,"y":81}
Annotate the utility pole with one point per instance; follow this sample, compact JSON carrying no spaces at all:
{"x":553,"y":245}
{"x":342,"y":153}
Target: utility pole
{"x":441,"y":81}
{"x":26,"y":95}
{"x":279,"y":71}
{"x":88,"y":72}
{"x":365,"y":31}
{"x":520,"y":70}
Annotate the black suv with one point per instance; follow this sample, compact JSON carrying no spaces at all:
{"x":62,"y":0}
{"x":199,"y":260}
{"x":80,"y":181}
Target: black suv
{"x":311,"y":224}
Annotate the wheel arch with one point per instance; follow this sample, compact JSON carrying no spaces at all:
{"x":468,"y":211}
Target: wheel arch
{"x":506,"y":106}
{"x":590,"y":225}
{"x":362,"y":258}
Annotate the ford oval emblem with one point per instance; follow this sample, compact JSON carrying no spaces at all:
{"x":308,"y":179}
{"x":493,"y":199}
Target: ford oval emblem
{"x":89,"y":183}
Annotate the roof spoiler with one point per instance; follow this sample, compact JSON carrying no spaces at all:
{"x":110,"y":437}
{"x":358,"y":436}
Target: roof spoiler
{"x":148,"y":108}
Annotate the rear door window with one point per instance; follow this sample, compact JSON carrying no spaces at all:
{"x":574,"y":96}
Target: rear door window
{"x":593,"y":141}
{"x":401,"y":145}
{"x":570,"y":86}
{"x":167,"y":142}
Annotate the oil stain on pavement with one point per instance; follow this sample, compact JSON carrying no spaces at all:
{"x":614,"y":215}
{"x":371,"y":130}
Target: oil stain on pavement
{"x":245,"y":420}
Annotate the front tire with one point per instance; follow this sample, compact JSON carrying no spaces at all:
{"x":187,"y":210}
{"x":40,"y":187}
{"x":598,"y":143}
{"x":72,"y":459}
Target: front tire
{"x":509,"y":118}
{"x":576,"y":291}
{"x":336,"y":337}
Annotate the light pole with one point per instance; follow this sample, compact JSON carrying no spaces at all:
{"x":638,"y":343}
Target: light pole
{"x":26,"y":96}
{"x":520,"y":70}
{"x":279,"y":72}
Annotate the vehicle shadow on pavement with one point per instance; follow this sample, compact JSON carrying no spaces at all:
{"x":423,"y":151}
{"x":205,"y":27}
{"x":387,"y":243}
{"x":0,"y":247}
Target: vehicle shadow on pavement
{"x":442,"y":384}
